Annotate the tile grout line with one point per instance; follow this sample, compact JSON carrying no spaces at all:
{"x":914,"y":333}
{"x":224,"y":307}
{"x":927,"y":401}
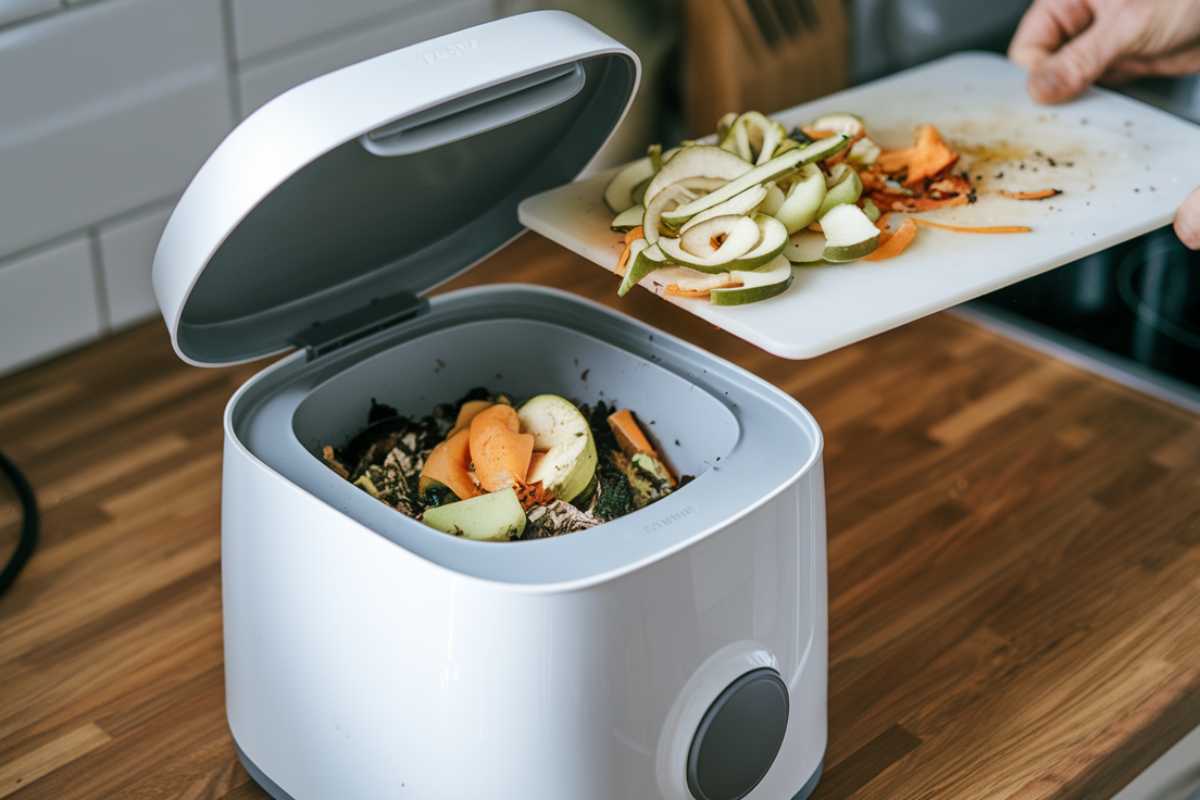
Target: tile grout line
{"x":116,"y":219}
{"x":103,"y":307}
{"x":311,"y":41}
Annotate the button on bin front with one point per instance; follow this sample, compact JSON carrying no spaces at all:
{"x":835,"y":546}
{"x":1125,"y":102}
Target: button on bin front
{"x":739,"y":737}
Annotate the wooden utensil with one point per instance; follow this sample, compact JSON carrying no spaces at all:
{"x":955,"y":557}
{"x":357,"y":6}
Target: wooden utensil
{"x":760,"y":54}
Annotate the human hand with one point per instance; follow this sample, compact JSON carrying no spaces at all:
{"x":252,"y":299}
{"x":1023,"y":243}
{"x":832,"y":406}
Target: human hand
{"x":1067,"y":45}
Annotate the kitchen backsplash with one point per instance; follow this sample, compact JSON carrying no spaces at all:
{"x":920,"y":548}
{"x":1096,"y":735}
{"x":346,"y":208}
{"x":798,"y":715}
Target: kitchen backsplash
{"x":108,"y":107}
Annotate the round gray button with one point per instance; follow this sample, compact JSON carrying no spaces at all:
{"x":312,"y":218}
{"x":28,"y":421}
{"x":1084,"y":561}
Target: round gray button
{"x":739,"y":737}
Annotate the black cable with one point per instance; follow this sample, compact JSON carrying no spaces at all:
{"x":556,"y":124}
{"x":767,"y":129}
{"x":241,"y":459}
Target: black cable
{"x":29,"y":523}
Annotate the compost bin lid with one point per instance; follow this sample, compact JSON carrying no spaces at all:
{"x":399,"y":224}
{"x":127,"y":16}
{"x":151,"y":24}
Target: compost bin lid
{"x":350,"y":194}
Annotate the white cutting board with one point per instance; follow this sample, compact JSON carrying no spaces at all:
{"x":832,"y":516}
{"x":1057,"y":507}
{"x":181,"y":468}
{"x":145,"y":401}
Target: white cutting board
{"x":1123,"y":166}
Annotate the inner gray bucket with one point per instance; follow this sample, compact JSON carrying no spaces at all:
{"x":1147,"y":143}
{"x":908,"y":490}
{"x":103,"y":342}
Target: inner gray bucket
{"x":522,"y":358}
{"x":744,"y":439}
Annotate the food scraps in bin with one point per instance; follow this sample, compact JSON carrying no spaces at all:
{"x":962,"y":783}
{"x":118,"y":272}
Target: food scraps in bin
{"x":485,"y":469}
{"x":726,"y":221}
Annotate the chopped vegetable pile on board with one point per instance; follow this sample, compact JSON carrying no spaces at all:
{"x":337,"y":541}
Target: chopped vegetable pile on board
{"x":727,"y":221}
{"x":484,"y":469}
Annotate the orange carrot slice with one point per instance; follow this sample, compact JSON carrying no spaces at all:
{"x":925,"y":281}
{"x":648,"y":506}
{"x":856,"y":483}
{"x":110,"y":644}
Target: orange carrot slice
{"x":630,"y":436}
{"x":1039,"y":194}
{"x":814,"y":133}
{"x":449,"y":464}
{"x":622,"y":261}
{"x":631,"y":236}
{"x":897,"y":243}
{"x":468,"y":412}
{"x":930,"y":204}
{"x":501,"y":453}
{"x":927,"y":158}
{"x":674,"y":291}
{"x":928,"y":223}
{"x":890,"y":202}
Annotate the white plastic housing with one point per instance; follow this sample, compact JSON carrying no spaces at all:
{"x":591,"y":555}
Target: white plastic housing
{"x":356,"y":668}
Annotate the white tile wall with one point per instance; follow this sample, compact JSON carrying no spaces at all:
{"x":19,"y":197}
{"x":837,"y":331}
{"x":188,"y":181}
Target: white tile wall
{"x":105,"y":108}
{"x":126,"y":256}
{"x":260,"y":82}
{"x":265,"y":25}
{"x":47,"y":302}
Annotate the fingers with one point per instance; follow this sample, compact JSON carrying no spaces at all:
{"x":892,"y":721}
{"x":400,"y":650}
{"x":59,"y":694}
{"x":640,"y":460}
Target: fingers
{"x":1078,"y":64}
{"x":1181,"y":62}
{"x":1187,"y":221}
{"x":1045,"y":27}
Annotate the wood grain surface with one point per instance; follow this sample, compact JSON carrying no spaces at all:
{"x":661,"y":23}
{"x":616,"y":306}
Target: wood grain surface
{"x":1014,"y":564}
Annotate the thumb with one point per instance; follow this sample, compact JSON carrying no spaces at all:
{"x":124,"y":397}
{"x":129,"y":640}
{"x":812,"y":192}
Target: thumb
{"x":1187,"y":221}
{"x":1077,"y":64}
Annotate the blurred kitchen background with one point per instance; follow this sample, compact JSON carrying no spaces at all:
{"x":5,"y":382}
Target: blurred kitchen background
{"x":108,"y":107}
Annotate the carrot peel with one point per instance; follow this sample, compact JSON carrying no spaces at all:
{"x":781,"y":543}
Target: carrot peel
{"x":630,"y":437}
{"x":1039,"y":194}
{"x":631,"y":236}
{"x":896,"y":243}
{"x":928,"y":223}
{"x":501,"y":453}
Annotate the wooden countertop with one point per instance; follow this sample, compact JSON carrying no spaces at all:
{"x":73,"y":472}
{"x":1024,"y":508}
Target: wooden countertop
{"x":1014,"y":561}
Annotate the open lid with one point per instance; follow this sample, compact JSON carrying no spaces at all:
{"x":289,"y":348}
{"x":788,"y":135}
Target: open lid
{"x":377,"y":182}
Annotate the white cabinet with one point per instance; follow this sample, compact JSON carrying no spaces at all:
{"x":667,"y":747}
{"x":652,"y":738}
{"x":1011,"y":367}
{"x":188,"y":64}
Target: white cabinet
{"x":106,"y":107}
{"x":126,"y":258}
{"x":47,"y":302}
{"x":262,"y":81}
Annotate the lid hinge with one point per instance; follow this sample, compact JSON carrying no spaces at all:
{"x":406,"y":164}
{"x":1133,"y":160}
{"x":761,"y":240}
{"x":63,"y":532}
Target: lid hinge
{"x":383,"y":312}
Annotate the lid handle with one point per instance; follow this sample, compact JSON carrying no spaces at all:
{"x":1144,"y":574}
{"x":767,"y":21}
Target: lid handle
{"x":493,"y":107}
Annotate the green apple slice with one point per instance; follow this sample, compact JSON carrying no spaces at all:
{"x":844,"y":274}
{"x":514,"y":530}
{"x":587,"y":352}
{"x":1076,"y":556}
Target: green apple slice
{"x":804,"y":198}
{"x":772,"y":238}
{"x":725,"y":123}
{"x":639,"y":192}
{"x":561,"y":430}
{"x":864,"y":152}
{"x":649,"y":479}
{"x":849,"y":234}
{"x":756,"y":285}
{"x":618,"y":195}
{"x":689,"y":279}
{"x":753,"y":136}
{"x":628,"y":219}
{"x":739,"y":204}
{"x":845,"y":187}
{"x":805,"y":248}
{"x":737,"y":235}
{"x":871,"y":210}
{"x":776,"y":167}
{"x":492,"y":517}
{"x":739,"y":138}
{"x":643,"y":259}
{"x":684,"y":191}
{"x":654,"y":152}
{"x":773,"y":136}
{"x":699,"y":161}
{"x":846,"y":124}
{"x":773,"y":201}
